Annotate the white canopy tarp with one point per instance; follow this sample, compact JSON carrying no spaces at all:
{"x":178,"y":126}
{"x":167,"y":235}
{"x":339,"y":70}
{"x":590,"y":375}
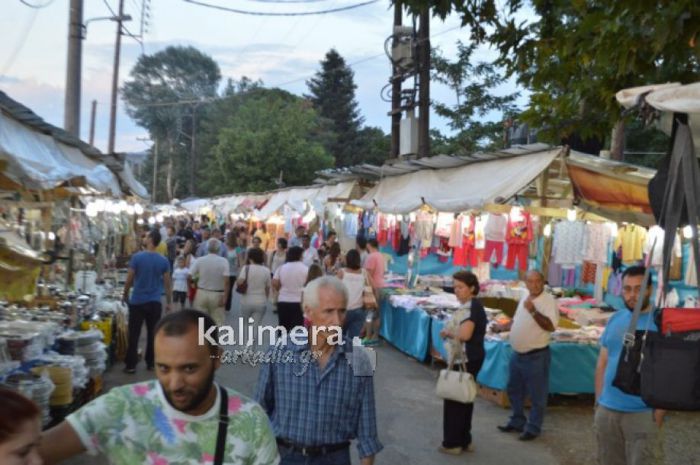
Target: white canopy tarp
{"x":458,"y":189}
{"x":297,"y":199}
{"x":128,"y":178}
{"x":98,"y":176}
{"x":194,"y":205}
{"x":669,"y":98}
{"x":341,"y":190}
{"x":33,"y":159}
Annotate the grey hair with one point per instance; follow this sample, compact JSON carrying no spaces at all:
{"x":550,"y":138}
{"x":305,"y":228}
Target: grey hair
{"x":311,"y":291}
{"x":213,"y":245}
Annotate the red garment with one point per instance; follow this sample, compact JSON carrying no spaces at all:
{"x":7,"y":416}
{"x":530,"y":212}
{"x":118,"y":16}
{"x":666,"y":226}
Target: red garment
{"x":383,"y":233}
{"x":444,"y":252}
{"x":519,"y":251}
{"x":519,"y":232}
{"x":588,"y":273}
{"x":492,"y":246}
{"x":466,"y":255}
{"x":396,"y":240}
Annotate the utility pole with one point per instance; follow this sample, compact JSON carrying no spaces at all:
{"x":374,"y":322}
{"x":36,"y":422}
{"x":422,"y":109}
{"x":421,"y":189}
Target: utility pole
{"x":155,"y":171}
{"x":193,"y":159}
{"x":93,"y":112}
{"x":115,"y":79}
{"x":71,"y":110}
{"x":396,"y":89}
{"x":424,"y":88}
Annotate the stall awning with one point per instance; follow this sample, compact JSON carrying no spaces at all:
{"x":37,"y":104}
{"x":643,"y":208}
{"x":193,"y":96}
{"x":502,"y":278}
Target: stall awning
{"x":612,"y":189}
{"x":458,"y":189}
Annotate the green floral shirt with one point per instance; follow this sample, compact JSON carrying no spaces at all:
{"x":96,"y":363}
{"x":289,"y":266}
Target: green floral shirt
{"x":135,"y":425}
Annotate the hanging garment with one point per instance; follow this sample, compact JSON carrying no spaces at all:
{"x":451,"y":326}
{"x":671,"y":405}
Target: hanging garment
{"x":424,"y":228}
{"x":588,"y":273}
{"x":519,"y":229}
{"x":519,"y":252}
{"x":657,"y":234}
{"x":631,"y":238}
{"x":569,"y":242}
{"x":456,"y":231}
{"x":491,"y":247}
{"x":444,"y":252}
{"x":691,"y":274}
{"x":479,"y":231}
{"x":598,"y":237}
{"x":495,"y":229}
{"x":443,"y":228}
{"x":466,"y":255}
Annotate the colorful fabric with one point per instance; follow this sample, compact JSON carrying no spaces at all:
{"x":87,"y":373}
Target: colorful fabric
{"x":495,"y":229}
{"x":519,"y":230}
{"x":135,"y":424}
{"x":569,"y":243}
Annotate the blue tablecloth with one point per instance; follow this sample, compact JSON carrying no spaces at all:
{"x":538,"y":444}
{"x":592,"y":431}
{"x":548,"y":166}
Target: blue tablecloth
{"x":407,"y":330}
{"x":572,"y":369}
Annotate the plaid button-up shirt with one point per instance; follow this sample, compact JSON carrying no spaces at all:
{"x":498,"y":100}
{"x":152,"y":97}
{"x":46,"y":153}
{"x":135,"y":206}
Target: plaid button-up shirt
{"x":310,"y":407}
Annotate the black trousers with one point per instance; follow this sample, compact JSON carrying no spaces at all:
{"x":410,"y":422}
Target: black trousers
{"x":232,"y":282}
{"x":457,"y":417}
{"x":290,"y":315}
{"x":150,"y":313}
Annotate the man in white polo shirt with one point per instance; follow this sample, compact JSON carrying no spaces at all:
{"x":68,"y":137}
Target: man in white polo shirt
{"x":212,"y":272}
{"x":536,"y":317}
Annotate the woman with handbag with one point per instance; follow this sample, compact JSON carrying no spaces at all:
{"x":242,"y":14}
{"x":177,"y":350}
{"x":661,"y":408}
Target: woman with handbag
{"x":355,"y":279}
{"x":254,"y":284}
{"x":464,"y":335}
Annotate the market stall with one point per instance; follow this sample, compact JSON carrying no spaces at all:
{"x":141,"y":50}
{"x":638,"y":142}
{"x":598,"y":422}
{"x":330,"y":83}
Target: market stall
{"x":66,"y":210}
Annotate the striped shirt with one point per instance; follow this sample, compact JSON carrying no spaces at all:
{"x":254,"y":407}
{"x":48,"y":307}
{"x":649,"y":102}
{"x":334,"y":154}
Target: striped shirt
{"x":310,"y":407}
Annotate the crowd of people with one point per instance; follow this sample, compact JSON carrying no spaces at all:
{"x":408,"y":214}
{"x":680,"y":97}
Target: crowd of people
{"x":301,"y":413}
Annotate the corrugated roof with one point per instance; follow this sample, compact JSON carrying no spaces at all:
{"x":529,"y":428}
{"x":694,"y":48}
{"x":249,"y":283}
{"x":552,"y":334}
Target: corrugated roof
{"x":401,"y":166}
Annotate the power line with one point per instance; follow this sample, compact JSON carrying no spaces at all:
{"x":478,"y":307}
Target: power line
{"x":215,"y":99}
{"x":39,"y":6}
{"x":263,"y":13}
{"x":20,"y":44}
{"x":126,"y":30}
{"x":362,"y":60}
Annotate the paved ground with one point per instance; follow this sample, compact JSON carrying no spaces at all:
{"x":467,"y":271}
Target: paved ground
{"x":410,"y":420}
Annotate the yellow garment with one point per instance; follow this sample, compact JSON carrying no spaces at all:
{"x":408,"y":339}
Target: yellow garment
{"x":606,"y":276}
{"x":162,"y":249}
{"x":632,"y":238}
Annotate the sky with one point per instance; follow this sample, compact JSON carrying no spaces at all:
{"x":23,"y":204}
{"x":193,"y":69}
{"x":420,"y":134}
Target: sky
{"x":281,"y":51}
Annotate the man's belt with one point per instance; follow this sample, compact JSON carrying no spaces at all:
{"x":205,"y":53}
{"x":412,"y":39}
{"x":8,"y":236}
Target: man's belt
{"x":534,"y":351}
{"x":209,"y":290}
{"x":313,"y":451}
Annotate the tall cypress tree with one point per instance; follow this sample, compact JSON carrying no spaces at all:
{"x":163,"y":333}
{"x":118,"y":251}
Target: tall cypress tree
{"x":332,"y":92}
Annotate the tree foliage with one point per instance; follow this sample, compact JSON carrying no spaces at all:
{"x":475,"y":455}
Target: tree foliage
{"x":575,"y":55}
{"x":332,"y":92}
{"x":268,"y":131}
{"x":175,"y":74}
{"x":478,"y":113}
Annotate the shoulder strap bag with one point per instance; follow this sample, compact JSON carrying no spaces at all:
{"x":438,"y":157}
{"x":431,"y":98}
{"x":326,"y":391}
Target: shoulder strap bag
{"x":223,"y":428}
{"x":242,"y":287}
{"x":457,"y":385}
{"x":369,"y":300}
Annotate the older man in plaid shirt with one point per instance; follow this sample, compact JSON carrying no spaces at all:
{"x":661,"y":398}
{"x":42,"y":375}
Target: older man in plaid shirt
{"x":317,"y":408}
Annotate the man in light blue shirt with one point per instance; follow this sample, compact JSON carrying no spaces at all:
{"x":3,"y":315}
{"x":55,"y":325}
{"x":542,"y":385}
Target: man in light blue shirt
{"x":627,"y":429}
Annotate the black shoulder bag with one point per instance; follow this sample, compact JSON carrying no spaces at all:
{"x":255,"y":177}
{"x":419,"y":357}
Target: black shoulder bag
{"x":670,"y":374}
{"x":627,"y":377}
{"x":223,"y":428}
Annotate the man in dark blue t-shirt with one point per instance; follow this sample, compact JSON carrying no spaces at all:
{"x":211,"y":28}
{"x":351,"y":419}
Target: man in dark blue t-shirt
{"x":149,"y":275}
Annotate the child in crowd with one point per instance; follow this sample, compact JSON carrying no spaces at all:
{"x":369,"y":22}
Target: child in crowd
{"x":180,"y":282}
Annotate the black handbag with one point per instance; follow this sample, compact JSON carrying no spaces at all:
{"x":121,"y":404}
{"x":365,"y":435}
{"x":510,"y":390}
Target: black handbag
{"x":670,"y":368}
{"x":628,"y":377}
{"x":242,"y":287}
{"x":670,"y":377}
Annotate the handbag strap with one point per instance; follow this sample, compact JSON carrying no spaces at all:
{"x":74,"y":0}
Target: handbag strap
{"x":631,"y":330}
{"x":691,"y":183}
{"x":223,"y":428}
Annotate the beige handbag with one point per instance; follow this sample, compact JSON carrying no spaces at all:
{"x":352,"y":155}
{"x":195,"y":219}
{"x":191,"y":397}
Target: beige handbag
{"x":456,"y":385}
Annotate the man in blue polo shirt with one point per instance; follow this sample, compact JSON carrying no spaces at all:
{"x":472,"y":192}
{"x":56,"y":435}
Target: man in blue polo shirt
{"x":627,"y":430}
{"x":149,"y":275}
